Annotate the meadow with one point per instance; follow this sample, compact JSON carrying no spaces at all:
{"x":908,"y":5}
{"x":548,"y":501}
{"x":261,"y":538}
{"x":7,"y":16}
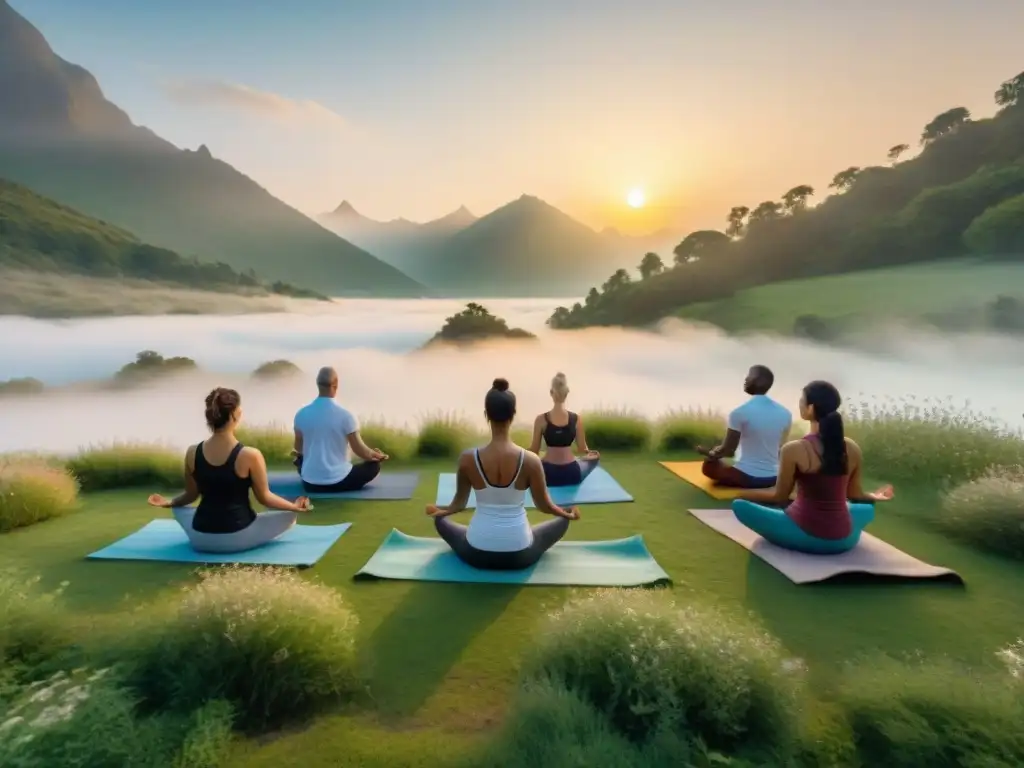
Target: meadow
{"x":952,"y":291}
{"x":143,"y":663}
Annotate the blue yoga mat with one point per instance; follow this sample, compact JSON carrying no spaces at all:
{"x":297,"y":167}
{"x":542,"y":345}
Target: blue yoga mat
{"x":164,"y":540}
{"x":618,"y":563}
{"x":598,"y":488}
{"x":387,"y":486}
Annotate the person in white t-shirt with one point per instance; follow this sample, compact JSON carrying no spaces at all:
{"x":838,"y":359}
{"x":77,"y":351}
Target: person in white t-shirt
{"x":326,"y":436}
{"x":756,"y":433}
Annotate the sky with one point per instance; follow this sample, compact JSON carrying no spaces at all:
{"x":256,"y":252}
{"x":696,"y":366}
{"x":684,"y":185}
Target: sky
{"x":411,"y":108}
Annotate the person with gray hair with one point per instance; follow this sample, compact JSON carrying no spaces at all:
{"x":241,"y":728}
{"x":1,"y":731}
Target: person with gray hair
{"x":326,"y":437}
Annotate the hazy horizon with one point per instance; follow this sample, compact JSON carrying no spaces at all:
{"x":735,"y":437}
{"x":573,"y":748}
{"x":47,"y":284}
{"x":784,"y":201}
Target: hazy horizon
{"x":368,"y":342}
{"x":702,"y":106}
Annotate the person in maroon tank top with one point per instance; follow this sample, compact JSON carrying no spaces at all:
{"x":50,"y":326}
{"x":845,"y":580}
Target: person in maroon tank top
{"x":824,"y":467}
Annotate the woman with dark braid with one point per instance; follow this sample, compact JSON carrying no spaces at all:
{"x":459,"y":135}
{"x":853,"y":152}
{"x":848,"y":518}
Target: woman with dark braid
{"x":831,"y":506}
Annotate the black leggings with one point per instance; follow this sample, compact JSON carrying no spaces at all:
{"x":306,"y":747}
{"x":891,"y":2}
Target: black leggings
{"x":545,"y":536}
{"x":573,"y":473}
{"x":355,"y":480}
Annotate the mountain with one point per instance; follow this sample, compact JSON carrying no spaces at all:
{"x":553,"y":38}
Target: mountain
{"x":60,"y":136}
{"x":40,"y":235}
{"x":524,"y":248}
{"x":399,"y":242}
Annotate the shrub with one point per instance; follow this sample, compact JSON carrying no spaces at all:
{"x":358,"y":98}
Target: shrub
{"x":930,"y":441}
{"x":444,"y":437}
{"x":149,"y":364}
{"x":988,"y":512}
{"x":651,"y":668}
{"x":617,"y":431}
{"x":931,"y":714}
{"x":25,"y":386}
{"x":274,"y":442}
{"x":276,"y":369}
{"x":128,"y":466}
{"x":32,"y":628}
{"x":684,"y":430}
{"x":265,"y":640}
{"x":399,"y":444}
{"x":32,"y":491}
{"x":208,"y":737}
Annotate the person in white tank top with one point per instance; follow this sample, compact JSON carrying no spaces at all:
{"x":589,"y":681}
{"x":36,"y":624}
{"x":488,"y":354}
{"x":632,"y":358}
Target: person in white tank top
{"x":499,"y":536}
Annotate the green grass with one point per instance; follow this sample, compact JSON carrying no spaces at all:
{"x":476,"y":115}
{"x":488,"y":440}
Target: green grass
{"x":913,"y":292}
{"x":443,"y":660}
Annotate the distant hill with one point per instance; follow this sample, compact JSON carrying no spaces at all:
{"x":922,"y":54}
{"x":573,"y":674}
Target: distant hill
{"x":961,"y":195}
{"x":525,"y":248}
{"x":38,"y":234}
{"x":399,"y":242}
{"x":475,"y":324}
{"x":61,"y":137}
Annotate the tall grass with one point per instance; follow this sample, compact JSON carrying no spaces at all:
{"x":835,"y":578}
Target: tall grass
{"x":685,"y":429}
{"x":399,"y":444}
{"x":127,"y":465}
{"x":932,"y":713}
{"x":32,"y":626}
{"x":931,"y":441}
{"x":268,"y":642}
{"x":651,"y":667}
{"x":988,"y":512}
{"x":32,"y":491}
{"x":445,"y":436}
{"x":613,"y":431}
{"x":272,"y":440}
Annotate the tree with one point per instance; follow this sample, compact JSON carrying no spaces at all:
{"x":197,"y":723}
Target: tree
{"x":948,"y":122}
{"x":895,"y":152}
{"x":736,"y":220}
{"x":559,"y":317}
{"x":618,"y":280}
{"x":475,"y":323}
{"x":1011,"y":92}
{"x":593,"y":296}
{"x":651,"y":265}
{"x":796,"y":199}
{"x":999,"y":231}
{"x":843,"y":180}
{"x":696,"y":245}
{"x":766,"y":211}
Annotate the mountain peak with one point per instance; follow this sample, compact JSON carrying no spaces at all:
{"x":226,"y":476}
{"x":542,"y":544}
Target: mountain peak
{"x":203,"y":151}
{"x":346,"y":209}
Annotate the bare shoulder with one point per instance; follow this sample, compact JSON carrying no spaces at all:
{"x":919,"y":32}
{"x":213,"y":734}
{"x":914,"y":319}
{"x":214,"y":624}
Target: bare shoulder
{"x":530,"y":458}
{"x":541,"y":418}
{"x":793,"y":448}
{"x":250,"y":455}
{"x":852,"y":448}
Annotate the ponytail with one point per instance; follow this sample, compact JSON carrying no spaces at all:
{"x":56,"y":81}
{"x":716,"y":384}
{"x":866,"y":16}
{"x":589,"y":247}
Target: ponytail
{"x":833,"y":444}
{"x":824,"y":398}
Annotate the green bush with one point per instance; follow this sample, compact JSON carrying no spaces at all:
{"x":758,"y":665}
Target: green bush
{"x":125,"y":465}
{"x":149,"y":365}
{"x":617,"y":431}
{"x":988,"y":512}
{"x":399,"y":444}
{"x":274,"y":442}
{"x":265,"y":640}
{"x":32,"y":628}
{"x":276,"y":369}
{"x":651,"y":667}
{"x":684,"y":430}
{"x":32,"y":491}
{"x":932,"y":713}
{"x":444,"y":437}
{"x":929,"y":441}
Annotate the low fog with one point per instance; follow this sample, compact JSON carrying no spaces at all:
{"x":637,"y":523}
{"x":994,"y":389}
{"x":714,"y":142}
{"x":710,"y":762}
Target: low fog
{"x":369,"y":343}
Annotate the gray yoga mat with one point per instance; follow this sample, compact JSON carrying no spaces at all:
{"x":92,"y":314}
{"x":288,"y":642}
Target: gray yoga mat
{"x":871,"y":556}
{"x":617,"y":563}
{"x":387,"y":486}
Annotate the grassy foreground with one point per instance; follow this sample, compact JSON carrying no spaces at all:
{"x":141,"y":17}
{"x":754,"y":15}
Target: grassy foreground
{"x":314,"y":669}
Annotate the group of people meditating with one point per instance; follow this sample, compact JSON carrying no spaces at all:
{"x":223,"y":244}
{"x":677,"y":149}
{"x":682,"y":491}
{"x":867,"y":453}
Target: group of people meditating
{"x":824,"y":468}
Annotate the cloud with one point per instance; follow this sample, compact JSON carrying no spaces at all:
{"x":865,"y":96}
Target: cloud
{"x":274,"y":106}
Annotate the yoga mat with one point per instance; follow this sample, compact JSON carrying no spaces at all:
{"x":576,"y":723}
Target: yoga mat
{"x":387,"y":486}
{"x":619,"y":563}
{"x":691,"y":473}
{"x":871,"y":556}
{"x":165,"y":540}
{"x":598,"y":488}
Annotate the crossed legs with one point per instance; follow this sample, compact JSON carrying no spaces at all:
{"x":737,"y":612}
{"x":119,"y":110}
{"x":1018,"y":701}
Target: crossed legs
{"x":545,"y":536}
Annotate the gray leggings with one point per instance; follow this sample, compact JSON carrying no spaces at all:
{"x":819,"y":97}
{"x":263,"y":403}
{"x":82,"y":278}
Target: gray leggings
{"x":545,"y":536}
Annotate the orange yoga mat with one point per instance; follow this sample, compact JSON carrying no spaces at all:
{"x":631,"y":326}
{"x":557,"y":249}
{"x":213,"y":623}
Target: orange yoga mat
{"x":690,"y":472}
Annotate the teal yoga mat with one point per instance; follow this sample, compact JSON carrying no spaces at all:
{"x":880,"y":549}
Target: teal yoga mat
{"x":164,"y":540}
{"x":618,"y":563}
{"x":598,"y":488}
{"x":387,"y":486}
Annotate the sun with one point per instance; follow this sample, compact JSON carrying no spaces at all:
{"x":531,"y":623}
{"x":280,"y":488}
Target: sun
{"x":636,"y":198}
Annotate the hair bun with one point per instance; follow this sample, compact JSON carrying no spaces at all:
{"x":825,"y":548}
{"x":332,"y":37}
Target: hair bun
{"x":501,"y":385}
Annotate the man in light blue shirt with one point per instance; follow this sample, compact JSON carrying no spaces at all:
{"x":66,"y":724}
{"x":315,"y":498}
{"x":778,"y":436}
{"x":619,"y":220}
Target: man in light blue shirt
{"x":326,"y":436}
{"x":756,"y":433}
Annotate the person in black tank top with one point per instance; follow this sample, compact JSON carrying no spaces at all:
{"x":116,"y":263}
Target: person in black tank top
{"x":225,"y":520}
{"x":561,"y":467}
